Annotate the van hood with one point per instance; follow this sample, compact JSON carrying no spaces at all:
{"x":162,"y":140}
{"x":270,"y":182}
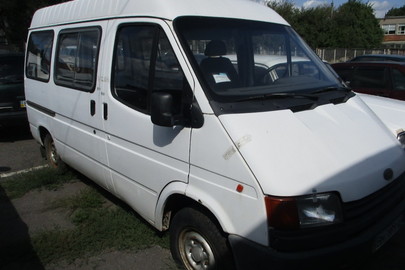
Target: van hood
{"x":343,"y":148}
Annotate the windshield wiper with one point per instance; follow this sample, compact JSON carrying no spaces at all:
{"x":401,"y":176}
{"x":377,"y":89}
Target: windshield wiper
{"x":331,"y":89}
{"x":347,"y":94}
{"x":279,"y":95}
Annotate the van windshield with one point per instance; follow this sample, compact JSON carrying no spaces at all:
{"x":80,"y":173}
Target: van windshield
{"x":241,"y":61}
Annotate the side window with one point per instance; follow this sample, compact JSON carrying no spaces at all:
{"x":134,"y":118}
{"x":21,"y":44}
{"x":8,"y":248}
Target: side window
{"x":133,"y":52}
{"x":76,"y":59}
{"x":168,"y":74}
{"x":398,"y":79}
{"x":39,"y":53}
{"x":369,"y":77}
{"x":144,"y":62}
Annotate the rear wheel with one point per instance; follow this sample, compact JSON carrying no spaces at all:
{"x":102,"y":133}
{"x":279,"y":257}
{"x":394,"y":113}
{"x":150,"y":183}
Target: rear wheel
{"x":52,"y":155}
{"x":197,"y":243}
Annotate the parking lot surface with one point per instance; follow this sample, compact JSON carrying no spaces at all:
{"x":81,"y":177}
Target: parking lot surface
{"x":18,"y":151}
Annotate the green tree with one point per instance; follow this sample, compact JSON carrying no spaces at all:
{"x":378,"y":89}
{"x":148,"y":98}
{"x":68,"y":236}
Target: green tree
{"x":396,"y":11}
{"x":15,"y":18}
{"x":352,"y":25}
{"x":314,"y":24}
{"x":287,"y":10}
{"x":317,"y":26}
{"x":357,"y":26}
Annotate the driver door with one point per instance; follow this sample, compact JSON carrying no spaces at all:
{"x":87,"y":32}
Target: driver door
{"x":143,"y":157}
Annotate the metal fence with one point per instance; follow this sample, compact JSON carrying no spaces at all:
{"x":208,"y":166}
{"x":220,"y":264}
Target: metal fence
{"x":342,"y":55}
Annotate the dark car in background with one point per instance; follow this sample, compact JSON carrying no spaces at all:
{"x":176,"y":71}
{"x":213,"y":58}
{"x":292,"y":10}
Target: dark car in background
{"x":382,"y":78}
{"x":12,"y":98}
{"x":379,"y":57}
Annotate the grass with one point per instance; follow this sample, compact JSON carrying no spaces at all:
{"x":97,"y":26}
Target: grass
{"x":18,"y":185}
{"x":100,"y":225}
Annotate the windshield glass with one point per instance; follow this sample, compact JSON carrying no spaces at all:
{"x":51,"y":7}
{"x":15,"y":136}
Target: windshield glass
{"x":240,"y":60}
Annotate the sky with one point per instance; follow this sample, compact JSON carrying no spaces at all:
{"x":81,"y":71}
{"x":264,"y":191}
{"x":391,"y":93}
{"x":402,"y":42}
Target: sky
{"x":380,"y":6}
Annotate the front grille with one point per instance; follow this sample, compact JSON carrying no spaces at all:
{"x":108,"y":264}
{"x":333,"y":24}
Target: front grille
{"x":372,"y":208}
{"x":358,"y":217}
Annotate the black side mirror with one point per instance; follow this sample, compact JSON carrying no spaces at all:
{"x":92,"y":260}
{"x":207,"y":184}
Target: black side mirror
{"x":162,"y":109}
{"x":163,"y":112}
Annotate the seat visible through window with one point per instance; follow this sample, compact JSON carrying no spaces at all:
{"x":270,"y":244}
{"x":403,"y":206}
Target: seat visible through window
{"x":217,"y":69}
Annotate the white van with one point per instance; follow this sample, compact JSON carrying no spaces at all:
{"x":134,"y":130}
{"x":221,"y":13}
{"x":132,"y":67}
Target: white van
{"x":215,"y":120}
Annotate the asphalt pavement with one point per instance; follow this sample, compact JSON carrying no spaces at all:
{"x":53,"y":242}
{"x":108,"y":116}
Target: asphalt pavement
{"x":18,"y":150}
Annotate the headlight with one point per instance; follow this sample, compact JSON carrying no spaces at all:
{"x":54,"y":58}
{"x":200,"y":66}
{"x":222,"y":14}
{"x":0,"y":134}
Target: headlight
{"x":319,"y":209}
{"x":304,"y":212}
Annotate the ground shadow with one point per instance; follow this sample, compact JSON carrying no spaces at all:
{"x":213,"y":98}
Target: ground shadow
{"x":16,"y":251}
{"x":15,"y":133}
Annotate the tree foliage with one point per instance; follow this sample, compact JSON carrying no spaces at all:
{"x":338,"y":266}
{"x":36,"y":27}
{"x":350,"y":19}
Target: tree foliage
{"x":396,"y":11}
{"x":317,"y":26}
{"x":286,"y":9}
{"x":358,"y":26}
{"x":352,"y":25}
{"x":15,"y":18}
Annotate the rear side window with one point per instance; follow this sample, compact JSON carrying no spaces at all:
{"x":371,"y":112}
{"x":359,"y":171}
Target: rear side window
{"x":39,"y":53}
{"x":76,"y":58}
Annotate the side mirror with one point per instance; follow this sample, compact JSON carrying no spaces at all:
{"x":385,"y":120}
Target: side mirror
{"x":162,"y":109}
{"x":163,"y":112}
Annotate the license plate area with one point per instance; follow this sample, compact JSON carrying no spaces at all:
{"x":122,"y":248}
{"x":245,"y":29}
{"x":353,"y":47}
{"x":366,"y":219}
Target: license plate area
{"x":23,"y":104}
{"x":387,"y":233}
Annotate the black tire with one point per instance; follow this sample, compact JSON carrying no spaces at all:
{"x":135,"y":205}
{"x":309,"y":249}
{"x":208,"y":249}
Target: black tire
{"x":52,"y":155}
{"x":196,"y":242}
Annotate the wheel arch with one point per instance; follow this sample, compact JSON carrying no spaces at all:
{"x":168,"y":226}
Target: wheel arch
{"x":42,"y":134}
{"x":174,"y":198}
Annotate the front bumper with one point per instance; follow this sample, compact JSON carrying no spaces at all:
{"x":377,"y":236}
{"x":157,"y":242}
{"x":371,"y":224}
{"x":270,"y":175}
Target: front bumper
{"x":369,"y":224}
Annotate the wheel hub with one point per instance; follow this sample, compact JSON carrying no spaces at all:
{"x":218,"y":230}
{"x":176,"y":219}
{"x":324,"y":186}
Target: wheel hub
{"x":196,"y":251}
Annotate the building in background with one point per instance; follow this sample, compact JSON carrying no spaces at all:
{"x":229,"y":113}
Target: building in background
{"x":394,"y":32}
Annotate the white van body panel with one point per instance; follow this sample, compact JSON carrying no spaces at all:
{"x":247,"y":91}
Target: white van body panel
{"x":71,"y":121}
{"x":329,"y":148}
{"x":84,"y":10}
{"x":214,"y":181}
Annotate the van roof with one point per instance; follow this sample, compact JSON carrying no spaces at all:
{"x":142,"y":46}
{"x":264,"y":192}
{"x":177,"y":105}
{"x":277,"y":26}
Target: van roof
{"x":88,"y":10}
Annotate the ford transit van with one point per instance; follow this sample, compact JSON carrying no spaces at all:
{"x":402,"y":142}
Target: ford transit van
{"x":214,"y":120}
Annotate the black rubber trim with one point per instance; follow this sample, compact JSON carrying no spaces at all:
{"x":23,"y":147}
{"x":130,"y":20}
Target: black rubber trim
{"x":41,"y":108}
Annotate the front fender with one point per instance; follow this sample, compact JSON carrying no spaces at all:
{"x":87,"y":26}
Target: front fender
{"x":238,"y":212}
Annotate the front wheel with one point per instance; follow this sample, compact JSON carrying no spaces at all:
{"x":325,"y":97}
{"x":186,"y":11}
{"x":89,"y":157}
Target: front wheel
{"x":197,"y":243}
